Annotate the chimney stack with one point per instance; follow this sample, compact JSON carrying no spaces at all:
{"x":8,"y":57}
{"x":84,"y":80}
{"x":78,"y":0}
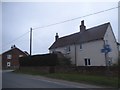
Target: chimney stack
{"x":56,"y":37}
{"x":82,"y":26}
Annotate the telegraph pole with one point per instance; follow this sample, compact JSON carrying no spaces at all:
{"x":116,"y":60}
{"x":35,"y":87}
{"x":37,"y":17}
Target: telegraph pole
{"x":30,"y":41}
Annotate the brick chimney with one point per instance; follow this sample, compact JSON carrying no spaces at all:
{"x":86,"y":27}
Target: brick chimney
{"x":56,"y":37}
{"x":82,"y":26}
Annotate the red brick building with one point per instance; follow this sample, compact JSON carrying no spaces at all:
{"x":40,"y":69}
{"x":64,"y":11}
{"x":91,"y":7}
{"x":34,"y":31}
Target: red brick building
{"x":10,"y":58}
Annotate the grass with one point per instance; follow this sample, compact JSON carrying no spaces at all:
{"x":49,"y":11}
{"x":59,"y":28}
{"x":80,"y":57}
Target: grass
{"x":77,"y":77}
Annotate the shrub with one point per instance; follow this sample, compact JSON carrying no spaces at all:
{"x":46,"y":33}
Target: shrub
{"x":39,"y":60}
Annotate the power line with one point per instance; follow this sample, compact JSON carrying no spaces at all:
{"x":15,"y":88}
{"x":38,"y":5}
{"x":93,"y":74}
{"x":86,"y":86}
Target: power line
{"x":76,"y":18}
{"x":63,"y":22}
{"x":16,"y":38}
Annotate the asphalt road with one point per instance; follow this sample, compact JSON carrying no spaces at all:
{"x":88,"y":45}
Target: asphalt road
{"x":13,"y":80}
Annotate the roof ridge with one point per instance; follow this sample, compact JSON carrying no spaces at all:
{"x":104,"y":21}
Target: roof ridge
{"x":85,"y":30}
{"x":98,"y":26}
{"x":14,"y":48}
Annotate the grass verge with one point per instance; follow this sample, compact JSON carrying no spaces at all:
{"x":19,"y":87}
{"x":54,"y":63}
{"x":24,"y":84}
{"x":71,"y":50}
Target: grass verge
{"x":77,"y":77}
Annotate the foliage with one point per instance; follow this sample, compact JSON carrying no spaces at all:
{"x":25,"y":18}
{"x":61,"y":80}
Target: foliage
{"x":39,"y":60}
{"x":44,"y":60}
{"x":64,"y":61}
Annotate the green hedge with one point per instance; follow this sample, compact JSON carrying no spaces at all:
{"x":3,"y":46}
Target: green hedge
{"x":39,"y":60}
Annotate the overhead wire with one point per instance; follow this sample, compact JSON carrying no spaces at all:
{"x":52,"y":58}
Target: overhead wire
{"x":75,"y":18}
{"x":62,"y":22}
{"x":16,"y":39}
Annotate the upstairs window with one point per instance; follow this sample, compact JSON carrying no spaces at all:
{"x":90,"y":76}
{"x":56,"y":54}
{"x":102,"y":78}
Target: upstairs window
{"x":9,"y":56}
{"x":67,"y":49}
{"x":80,"y":46}
{"x":20,"y":55}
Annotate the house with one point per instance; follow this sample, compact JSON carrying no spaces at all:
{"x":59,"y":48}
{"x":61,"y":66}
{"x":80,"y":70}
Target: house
{"x":95,"y":46}
{"x":10,"y":58}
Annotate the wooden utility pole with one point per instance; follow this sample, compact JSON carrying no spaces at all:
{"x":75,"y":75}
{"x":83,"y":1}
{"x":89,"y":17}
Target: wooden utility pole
{"x":30,"y":41}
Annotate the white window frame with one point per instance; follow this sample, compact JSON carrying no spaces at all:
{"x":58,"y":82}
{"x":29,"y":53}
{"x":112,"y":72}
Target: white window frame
{"x":9,"y":56}
{"x":81,"y":47}
{"x":21,"y":55}
{"x":87,"y":62}
{"x":8,"y":64}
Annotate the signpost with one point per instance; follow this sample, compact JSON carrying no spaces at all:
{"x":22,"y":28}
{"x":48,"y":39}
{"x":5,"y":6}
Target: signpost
{"x":106,"y":50}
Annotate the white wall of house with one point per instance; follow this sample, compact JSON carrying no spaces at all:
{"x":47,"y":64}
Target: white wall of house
{"x":91,"y":50}
{"x":110,"y":40}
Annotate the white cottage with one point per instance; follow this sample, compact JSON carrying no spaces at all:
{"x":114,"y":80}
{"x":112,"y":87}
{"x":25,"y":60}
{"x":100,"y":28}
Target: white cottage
{"x":95,"y":46}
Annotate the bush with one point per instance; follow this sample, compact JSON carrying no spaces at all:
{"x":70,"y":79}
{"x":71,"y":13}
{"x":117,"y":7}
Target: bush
{"x":64,"y":61}
{"x":39,"y":60}
{"x":54,"y":59}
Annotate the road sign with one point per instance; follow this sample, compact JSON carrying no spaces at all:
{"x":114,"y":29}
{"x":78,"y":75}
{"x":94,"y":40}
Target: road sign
{"x":106,"y":49}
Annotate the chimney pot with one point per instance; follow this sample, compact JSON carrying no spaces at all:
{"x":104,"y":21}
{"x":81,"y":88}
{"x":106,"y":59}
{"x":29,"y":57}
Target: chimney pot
{"x":56,"y":37}
{"x":82,"y":26}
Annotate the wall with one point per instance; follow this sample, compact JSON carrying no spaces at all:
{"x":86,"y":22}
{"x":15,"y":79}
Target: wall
{"x":91,"y":50}
{"x":109,"y":36}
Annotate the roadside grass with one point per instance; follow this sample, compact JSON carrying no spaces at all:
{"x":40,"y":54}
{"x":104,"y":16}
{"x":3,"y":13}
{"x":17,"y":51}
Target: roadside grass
{"x":77,"y":77}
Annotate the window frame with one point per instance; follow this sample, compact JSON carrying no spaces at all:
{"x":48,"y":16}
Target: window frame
{"x":8,"y":64}
{"x":87,"y":62}
{"x":81,"y":47}
{"x":20,"y":55}
{"x":9,"y":56}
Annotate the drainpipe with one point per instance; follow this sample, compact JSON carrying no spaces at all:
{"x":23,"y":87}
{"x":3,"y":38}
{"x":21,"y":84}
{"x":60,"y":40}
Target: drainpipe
{"x":106,"y":60}
{"x":75,"y":56}
{"x":105,"y":55}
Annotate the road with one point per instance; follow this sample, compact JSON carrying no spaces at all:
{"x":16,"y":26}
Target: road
{"x":13,"y":80}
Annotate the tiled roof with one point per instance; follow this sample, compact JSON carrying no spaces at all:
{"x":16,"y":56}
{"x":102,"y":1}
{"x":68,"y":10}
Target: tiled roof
{"x":14,"y":49}
{"x":95,"y":33}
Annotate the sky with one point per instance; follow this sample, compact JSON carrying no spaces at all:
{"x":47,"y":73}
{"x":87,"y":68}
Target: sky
{"x":19,"y":17}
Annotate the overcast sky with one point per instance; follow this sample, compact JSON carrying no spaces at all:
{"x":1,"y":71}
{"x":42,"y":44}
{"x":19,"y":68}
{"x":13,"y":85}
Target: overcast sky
{"x":17,"y":18}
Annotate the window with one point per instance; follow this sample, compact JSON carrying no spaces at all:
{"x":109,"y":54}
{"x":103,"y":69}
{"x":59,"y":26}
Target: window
{"x":9,"y":56}
{"x":87,"y":61}
{"x":67,"y":49}
{"x":8,"y":64}
{"x":80,"y":46}
{"x":20,"y":55}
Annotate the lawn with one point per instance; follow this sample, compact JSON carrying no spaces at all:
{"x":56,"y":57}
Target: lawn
{"x":77,"y":77}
